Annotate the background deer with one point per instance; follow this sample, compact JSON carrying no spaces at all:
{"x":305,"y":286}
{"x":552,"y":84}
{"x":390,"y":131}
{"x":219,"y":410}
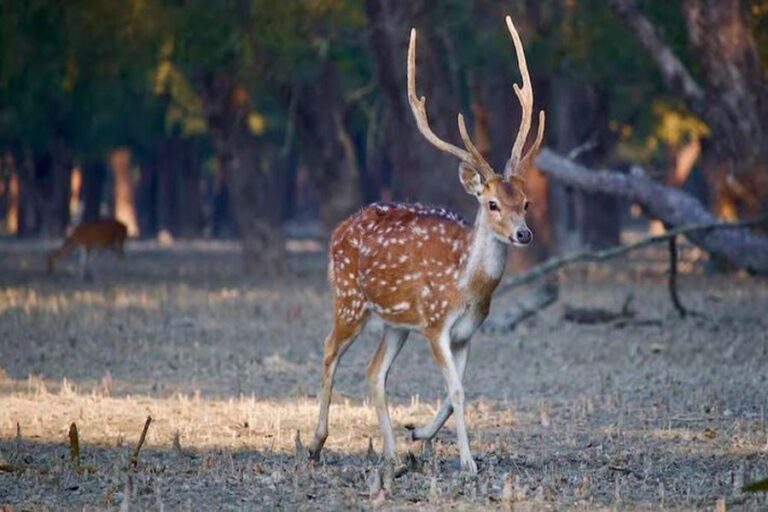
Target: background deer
{"x":99,"y":234}
{"x":425,"y":269}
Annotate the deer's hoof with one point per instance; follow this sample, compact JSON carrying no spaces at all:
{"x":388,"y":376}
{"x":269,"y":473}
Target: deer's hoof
{"x":469,"y":466}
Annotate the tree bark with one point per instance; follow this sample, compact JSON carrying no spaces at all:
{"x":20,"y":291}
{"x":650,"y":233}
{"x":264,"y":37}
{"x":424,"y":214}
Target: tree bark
{"x":191,"y":203}
{"x":252,"y":171}
{"x":674,"y":207}
{"x":47,"y":182}
{"x":733,"y":100}
{"x":167,"y":186}
{"x":94,"y":173}
{"x":125,"y":208}
{"x":331,"y":158}
{"x":12,"y":187}
{"x":582,"y":117}
{"x":420,"y":171}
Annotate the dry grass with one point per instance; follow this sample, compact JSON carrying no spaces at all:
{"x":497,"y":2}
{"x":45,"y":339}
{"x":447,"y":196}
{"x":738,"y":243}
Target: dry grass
{"x":670,"y":413}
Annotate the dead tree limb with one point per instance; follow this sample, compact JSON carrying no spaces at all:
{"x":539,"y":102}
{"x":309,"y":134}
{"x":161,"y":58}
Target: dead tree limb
{"x":557,"y":263}
{"x":12,"y":468}
{"x":528,"y":306}
{"x":134,"y":460}
{"x":673,"y":71}
{"x":740,"y":247}
{"x":673,"y":278}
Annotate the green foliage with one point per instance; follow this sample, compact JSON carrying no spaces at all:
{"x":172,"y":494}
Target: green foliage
{"x":76,"y":72}
{"x":99,"y":73}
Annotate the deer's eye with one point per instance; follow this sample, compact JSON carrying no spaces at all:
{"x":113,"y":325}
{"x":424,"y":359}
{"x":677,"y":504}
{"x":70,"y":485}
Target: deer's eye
{"x":526,"y":205}
{"x":493,"y":206}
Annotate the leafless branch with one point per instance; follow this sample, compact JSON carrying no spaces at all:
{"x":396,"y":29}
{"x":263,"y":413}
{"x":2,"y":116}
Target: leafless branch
{"x":134,"y":460}
{"x":672,"y":69}
{"x":554,"y":264}
{"x":740,"y":247}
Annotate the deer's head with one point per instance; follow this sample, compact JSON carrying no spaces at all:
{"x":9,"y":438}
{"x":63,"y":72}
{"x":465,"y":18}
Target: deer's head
{"x":501,"y":197}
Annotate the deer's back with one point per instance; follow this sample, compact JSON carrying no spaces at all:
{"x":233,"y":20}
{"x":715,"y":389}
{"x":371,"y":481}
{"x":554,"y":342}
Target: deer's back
{"x":100,"y":233}
{"x":401,"y":260}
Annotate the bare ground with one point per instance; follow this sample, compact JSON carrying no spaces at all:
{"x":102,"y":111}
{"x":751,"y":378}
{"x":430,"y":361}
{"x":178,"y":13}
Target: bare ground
{"x":649,"y":412}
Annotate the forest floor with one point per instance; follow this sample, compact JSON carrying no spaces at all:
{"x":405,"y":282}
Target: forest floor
{"x":643,"y":412}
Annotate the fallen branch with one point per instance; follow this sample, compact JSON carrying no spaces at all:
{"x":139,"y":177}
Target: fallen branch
{"x":598,"y":315}
{"x":673,"y":207}
{"x":530,"y":305}
{"x":554,"y":264}
{"x":12,"y":468}
{"x":134,"y":460}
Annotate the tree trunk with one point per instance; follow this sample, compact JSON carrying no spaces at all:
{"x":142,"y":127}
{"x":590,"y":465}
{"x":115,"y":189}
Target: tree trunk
{"x":191,"y":203}
{"x":330,"y":155}
{"x":125,"y":208}
{"x":75,"y":195}
{"x":681,"y":159}
{"x":583,"y":219}
{"x":94,"y":173}
{"x":28,"y":205}
{"x":733,"y":100}
{"x":167,"y":187}
{"x":251,"y":170}
{"x":420,"y":171}
{"x":146,"y":193}
{"x":12,"y":193}
{"x":220,"y":210}
{"x":674,"y":207}
{"x":48,"y":184}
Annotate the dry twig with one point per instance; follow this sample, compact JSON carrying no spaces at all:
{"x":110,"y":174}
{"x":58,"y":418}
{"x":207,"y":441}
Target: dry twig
{"x":74,"y":445}
{"x":673,"y":278}
{"x":559,"y":262}
{"x":134,"y":460}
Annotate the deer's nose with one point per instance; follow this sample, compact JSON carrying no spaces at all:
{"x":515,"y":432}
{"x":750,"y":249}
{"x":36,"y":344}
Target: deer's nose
{"x":523,"y":236}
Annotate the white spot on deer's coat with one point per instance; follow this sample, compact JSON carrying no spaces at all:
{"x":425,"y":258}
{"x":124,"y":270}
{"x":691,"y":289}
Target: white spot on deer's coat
{"x":401,"y":306}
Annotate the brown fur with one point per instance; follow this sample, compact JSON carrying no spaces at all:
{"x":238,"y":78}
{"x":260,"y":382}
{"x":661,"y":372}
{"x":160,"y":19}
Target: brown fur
{"x":100,"y":234}
{"x":402,"y":260}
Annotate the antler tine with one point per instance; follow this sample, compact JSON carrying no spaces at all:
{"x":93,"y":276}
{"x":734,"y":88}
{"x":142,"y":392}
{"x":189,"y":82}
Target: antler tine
{"x":481,"y":164}
{"x":526,"y":161}
{"x":418,"y":106}
{"x":525,"y":96}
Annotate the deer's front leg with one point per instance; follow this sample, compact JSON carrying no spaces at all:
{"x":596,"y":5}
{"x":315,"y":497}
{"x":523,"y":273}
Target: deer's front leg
{"x":441,"y":350}
{"x":430,"y":430}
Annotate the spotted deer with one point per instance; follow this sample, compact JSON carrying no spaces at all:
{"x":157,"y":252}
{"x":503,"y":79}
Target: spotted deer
{"x":425,"y":269}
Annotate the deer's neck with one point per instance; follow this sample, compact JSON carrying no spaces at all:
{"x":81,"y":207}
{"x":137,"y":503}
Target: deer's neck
{"x":486,"y":259}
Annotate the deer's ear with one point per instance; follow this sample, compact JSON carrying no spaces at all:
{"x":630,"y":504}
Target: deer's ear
{"x":473,"y":181}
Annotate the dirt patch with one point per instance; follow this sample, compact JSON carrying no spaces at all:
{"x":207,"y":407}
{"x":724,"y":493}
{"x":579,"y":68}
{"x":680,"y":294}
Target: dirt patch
{"x":652,"y":412}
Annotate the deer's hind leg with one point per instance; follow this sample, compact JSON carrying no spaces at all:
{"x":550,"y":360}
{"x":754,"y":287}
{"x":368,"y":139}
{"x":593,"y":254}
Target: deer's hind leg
{"x":344,"y":332}
{"x":391,"y":343}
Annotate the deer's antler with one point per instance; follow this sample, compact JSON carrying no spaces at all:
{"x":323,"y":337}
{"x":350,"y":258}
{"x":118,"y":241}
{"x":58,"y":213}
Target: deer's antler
{"x":471,"y":155}
{"x":524,"y":94}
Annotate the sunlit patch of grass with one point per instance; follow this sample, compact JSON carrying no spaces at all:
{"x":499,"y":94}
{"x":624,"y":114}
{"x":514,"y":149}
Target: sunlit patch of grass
{"x":202,"y":422}
{"x":29,"y":300}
